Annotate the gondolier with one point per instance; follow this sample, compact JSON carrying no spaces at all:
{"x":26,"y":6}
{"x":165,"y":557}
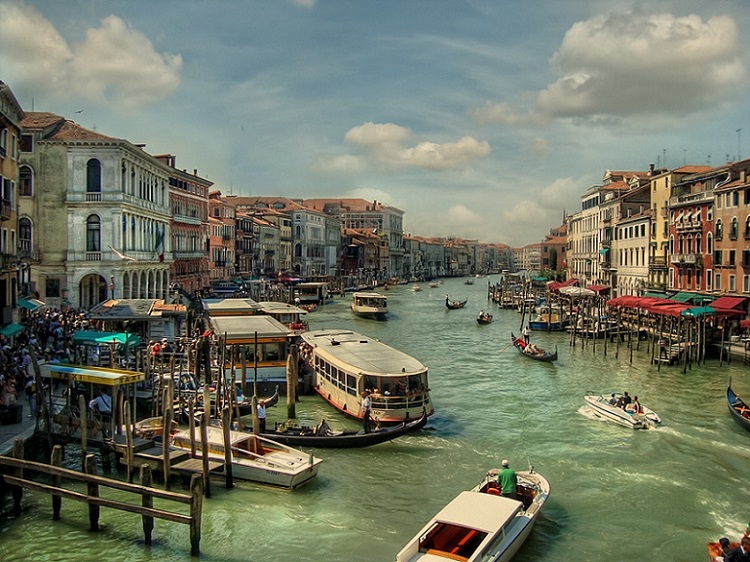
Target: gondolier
{"x":366,"y":403}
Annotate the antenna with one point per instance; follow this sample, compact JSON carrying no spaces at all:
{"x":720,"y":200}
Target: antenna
{"x":738,"y":144}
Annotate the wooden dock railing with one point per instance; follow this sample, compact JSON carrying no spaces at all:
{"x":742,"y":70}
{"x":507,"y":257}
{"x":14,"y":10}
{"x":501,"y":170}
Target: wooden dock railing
{"x":12,"y":476}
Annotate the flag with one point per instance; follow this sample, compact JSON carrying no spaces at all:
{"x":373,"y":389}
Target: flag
{"x":159,"y":249}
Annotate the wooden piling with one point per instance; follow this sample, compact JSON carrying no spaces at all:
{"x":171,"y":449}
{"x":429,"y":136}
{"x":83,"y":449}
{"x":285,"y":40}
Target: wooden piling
{"x":147,"y":501}
{"x":56,"y":460}
{"x":226,"y":428}
{"x":92,"y":487}
{"x":17,"y":491}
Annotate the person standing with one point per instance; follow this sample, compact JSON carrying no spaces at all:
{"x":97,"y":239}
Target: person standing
{"x":526,"y":333}
{"x":261,"y":412}
{"x":508,"y":481}
{"x":366,"y":405}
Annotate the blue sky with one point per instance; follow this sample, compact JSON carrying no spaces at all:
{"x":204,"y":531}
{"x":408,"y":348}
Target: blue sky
{"x":483,"y":119}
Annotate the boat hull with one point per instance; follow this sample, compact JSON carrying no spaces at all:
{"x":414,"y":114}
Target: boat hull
{"x":738,"y":409}
{"x":299,"y":437}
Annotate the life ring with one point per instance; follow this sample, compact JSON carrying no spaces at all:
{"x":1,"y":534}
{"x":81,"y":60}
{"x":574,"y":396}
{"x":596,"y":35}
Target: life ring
{"x":493,"y":491}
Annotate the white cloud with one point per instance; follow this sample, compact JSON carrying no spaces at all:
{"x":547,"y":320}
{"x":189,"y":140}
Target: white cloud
{"x":635,"y":64}
{"x":114,"y":63}
{"x":304,"y":3}
{"x":385,"y":145}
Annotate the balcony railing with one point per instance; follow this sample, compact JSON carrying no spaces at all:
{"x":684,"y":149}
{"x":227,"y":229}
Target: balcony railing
{"x":93,"y":196}
{"x":688,"y":259}
{"x":93,"y":256}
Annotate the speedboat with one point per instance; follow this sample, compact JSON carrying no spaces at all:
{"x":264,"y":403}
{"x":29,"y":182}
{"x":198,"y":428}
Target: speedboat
{"x":416,"y":287}
{"x":255,"y":458}
{"x":480,"y":524}
{"x":603,"y":407}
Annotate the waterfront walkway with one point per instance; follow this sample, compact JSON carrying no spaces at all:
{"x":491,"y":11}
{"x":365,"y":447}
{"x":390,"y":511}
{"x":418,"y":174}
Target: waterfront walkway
{"x":23,"y":430}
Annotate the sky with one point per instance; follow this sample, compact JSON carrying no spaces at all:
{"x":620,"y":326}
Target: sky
{"x":480,"y":119}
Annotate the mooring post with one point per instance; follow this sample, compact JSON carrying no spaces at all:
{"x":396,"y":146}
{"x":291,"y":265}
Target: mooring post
{"x":226,"y":427}
{"x":93,"y":491}
{"x":166,"y":460}
{"x":147,"y":500}
{"x":204,"y":442}
{"x":196,"y":510}
{"x":18,"y":473}
{"x":56,"y":460}
{"x":128,"y":443}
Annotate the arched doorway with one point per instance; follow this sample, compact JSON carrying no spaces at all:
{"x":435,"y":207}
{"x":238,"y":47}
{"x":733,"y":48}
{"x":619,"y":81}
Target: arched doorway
{"x":92,"y":290}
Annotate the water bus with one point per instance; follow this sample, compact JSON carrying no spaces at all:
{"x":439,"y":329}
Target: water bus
{"x":370,"y":305}
{"x":345,"y":364}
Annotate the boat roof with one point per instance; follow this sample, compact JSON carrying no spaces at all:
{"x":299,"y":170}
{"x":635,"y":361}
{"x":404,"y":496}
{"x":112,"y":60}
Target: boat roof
{"x":239,"y":328}
{"x":362,"y":352}
{"x":479,"y":511}
{"x":369,"y":295}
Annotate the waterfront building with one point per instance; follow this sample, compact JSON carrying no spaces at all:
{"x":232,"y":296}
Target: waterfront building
{"x":383,"y":220}
{"x":13,"y":232}
{"x":630,"y":252}
{"x":662,"y":182}
{"x":188,"y":203}
{"x":104,"y":205}
{"x":553,"y":257}
{"x":222,"y":237}
{"x":731,"y":257}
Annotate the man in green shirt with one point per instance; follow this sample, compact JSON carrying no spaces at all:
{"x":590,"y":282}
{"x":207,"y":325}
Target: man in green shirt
{"x":507,"y":480}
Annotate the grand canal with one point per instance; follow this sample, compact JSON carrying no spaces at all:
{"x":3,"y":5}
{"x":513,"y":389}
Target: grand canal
{"x":617,"y":494}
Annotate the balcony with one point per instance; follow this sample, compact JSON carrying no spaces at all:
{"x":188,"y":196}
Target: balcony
{"x":5,"y":210}
{"x":93,"y":256}
{"x":685,"y":259}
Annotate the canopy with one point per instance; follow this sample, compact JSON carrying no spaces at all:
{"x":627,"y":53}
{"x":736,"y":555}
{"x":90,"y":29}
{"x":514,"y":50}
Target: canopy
{"x":699,"y":311}
{"x":598,"y":288}
{"x":11,"y":329}
{"x":555,"y":285}
{"x":577,"y":292}
{"x":95,"y":375}
{"x":730,"y":302}
{"x":745,"y":323}
{"x":86,"y":337}
{"x":31,"y":303}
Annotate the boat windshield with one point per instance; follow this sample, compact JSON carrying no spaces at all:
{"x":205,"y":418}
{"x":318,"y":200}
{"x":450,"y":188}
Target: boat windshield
{"x":455,"y":541}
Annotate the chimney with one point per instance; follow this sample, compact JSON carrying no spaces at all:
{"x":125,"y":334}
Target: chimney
{"x":650,"y":169}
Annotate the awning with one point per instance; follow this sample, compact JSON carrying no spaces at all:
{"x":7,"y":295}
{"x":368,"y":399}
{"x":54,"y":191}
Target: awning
{"x":598,"y":288}
{"x":30,"y":303}
{"x":745,"y":323}
{"x":699,"y":311}
{"x":85,"y":337}
{"x":655,"y":295}
{"x":730,"y":302}
{"x":603,"y":251}
{"x":684,"y":297}
{"x":11,"y":329}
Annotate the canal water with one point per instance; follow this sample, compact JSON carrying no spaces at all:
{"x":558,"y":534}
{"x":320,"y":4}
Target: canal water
{"x":617,"y":494}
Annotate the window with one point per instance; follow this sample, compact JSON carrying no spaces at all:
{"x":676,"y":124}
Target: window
{"x":93,"y":176}
{"x":732,"y":257}
{"x":734,"y":228}
{"x":719,"y":230}
{"x":709,"y":278}
{"x":24,"y":235}
{"x":746,"y":283}
{"x":747,"y":227}
{"x":24,"y":181}
{"x":93,"y":234}
{"x":717,"y":281}
{"x":717,"y":257}
{"x":736,"y":198}
{"x":709,"y":244}
{"x":745,"y":258}
{"x":732,"y":286}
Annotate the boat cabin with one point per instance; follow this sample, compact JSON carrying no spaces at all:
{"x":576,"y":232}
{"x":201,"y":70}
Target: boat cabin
{"x":312,"y":293}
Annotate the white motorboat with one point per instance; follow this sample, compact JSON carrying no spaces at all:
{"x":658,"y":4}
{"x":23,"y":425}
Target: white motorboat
{"x":255,"y":458}
{"x":606,"y":407}
{"x":416,"y":287}
{"x":370,"y":305}
{"x":481,"y":525}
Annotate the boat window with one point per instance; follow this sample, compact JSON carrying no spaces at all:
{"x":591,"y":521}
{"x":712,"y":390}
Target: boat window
{"x":351,"y":384}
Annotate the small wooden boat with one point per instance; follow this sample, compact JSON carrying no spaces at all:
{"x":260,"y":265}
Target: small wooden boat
{"x":739,"y":410}
{"x":256,"y":458}
{"x":469,"y":281}
{"x":153,"y":428}
{"x":324,"y":437}
{"x":454,"y":305}
{"x":603,"y":407}
{"x":433,"y":284}
{"x":416,"y":287}
{"x":484,"y":317}
{"x":480,"y":524}
{"x":532,"y":351}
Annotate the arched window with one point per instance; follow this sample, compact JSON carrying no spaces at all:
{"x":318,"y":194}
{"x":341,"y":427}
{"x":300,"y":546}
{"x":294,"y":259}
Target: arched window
{"x":93,"y":234}
{"x":93,"y":176}
{"x":24,"y":235}
{"x":698,"y":248}
{"x":298,"y":250}
{"x":25,"y":182}
{"x":681,"y":245}
{"x":747,"y":227}
{"x":734,"y":228}
{"x":709,"y":244}
{"x":719,"y":230}
{"x":689,"y":248}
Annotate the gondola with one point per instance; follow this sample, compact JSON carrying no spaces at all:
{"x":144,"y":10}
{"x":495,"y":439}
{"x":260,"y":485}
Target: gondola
{"x":454,"y":305}
{"x":484,"y":318}
{"x":533,"y":352}
{"x":324,"y":437}
{"x":739,"y":410}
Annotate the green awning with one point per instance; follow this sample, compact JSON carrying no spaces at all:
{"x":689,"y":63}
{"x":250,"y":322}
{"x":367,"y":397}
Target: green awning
{"x":85,"y":337}
{"x":603,"y":251}
{"x":30,"y":303}
{"x":684,"y":297}
{"x":655,"y":295}
{"x":11,"y":329}
{"x":539,"y":279}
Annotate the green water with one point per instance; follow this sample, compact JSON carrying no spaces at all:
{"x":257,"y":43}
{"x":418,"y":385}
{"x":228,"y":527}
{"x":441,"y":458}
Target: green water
{"x":617,"y":494}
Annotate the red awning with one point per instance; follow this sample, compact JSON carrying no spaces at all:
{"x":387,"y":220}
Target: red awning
{"x":745,"y":323}
{"x":598,"y":288}
{"x":555,"y":285}
{"x":729,"y":302}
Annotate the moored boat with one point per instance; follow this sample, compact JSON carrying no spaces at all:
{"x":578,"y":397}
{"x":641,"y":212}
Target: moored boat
{"x":532,"y":351}
{"x":346,"y":364}
{"x":256,"y":458}
{"x":739,"y":410}
{"x":370,"y":305}
{"x":325,"y":437}
{"x":550,"y":319}
{"x":606,"y":407}
{"x":481,"y":525}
